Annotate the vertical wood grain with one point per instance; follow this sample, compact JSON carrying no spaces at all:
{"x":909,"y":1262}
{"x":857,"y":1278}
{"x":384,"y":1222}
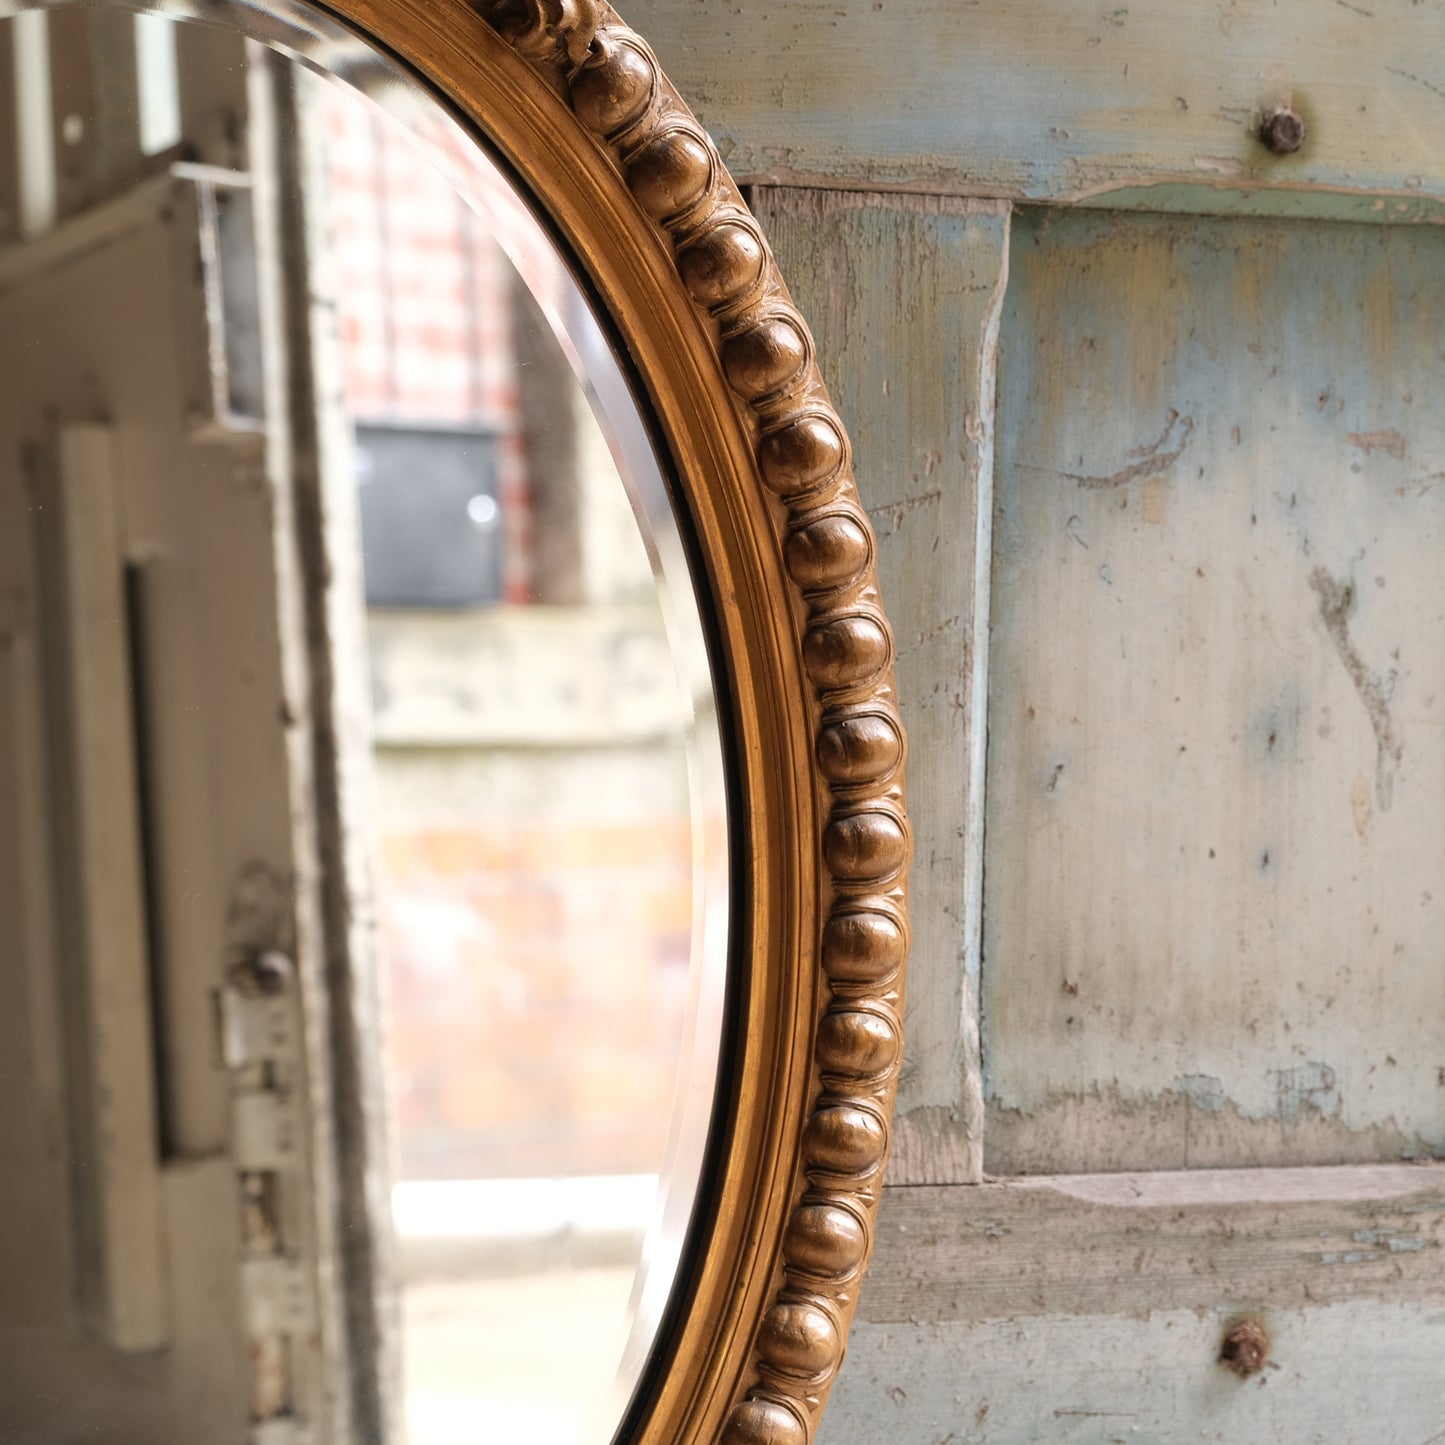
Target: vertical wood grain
{"x":1214,"y":917}
{"x":903,"y":294}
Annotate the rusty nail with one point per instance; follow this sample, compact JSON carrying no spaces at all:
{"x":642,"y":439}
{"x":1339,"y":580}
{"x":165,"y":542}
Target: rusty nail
{"x":1245,"y":1349}
{"x":1283,"y":132}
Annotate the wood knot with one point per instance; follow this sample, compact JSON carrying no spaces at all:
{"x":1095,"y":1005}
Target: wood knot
{"x":1245,"y":1349}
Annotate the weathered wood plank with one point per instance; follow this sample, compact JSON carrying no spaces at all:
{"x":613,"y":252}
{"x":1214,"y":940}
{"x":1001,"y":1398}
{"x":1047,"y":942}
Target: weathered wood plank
{"x":1130,"y":1245}
{"x":1213,"y":923}
{"x":1349,"y":1372}
{"x":903,"y":294}
{"x":1028,"y":98}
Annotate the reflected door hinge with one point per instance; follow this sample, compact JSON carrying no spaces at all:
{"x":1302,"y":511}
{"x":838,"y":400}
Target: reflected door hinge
{"x":260,"y":1045}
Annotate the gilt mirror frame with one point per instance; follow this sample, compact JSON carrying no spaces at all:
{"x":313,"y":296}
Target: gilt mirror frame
{"x":572,"y":102}
{"x":575,"y":104}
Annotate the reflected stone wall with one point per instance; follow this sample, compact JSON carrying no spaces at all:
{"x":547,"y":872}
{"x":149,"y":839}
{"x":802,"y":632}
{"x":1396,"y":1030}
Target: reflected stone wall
{"x":533,"y":834}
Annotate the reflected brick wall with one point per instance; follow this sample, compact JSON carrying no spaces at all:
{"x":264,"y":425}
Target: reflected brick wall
{"x":537,"y":981}
{"x":425,"y":286}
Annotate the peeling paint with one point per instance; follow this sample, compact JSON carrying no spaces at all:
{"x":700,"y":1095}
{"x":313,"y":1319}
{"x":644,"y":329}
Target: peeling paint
{"x":1215,"y":867}
{"x":1362,"y":807}
{"x":1307,"y":1086}
{"x":1390,"y":442}
{"x":1220,"y":165}
{"x":1196,"y":1124}
{"x":888,"y":517}
{"x":1204,"y":1091}
{"x":1336,"y":606}
{"x":1151,"y":458}
{"x":1154,"y":501}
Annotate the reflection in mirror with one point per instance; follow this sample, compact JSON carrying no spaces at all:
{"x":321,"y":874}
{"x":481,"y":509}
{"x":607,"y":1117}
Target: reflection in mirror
{"x":363,"y":882}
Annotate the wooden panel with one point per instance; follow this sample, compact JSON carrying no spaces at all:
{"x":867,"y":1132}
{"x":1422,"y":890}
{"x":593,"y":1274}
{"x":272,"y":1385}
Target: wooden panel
{"x":1349,"y":1372}
{"x":1030,"y":98}
{"x":1131,"y":1244}
{"x":1093,"y":1309}
{"x":1214,"y":915}
{"x":202,"y":1213}
{"x":903,"y":294}
{"x":107,"y":889}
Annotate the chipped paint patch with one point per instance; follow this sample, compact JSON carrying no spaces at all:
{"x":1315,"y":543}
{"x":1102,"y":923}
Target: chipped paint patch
{"x":1215,"y":868}
{"x":1154,"y":501}
{"x":1153,"y":457}
{"x":1390,"y":442}
{"x":1362,"y":806}
{"x":1336,"y":606}
{"x":1196,"y":1124}
{"x":1307,"y":1086}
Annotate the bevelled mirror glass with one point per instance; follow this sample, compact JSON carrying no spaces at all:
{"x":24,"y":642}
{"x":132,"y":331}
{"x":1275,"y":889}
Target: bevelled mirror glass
{"x":452,"y":847}
{"x":452,"y":1125}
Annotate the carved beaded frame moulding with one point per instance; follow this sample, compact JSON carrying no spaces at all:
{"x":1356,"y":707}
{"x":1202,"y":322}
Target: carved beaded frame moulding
{"x":633,"y":183}
{"x":617,"y":91}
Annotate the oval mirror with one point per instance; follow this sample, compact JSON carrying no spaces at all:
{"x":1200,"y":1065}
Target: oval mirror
{"x":452,"y":857}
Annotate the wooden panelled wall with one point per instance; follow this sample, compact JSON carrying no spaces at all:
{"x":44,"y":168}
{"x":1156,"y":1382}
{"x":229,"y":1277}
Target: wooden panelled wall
{"x":1153,"y":485}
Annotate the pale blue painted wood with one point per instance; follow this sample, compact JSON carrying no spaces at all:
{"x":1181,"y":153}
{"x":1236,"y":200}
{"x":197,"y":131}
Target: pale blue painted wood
{"x":1034,"y":99}
{"x":1215,"y":899}
{"x":1143,"y":1380}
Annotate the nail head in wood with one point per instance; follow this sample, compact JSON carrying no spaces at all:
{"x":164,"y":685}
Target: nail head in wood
{"x":1283,"y":132}
{"x":1245,"y":1349}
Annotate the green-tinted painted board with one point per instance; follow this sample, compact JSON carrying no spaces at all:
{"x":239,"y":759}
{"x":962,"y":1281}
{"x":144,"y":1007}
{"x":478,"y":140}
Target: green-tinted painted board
{"x":1215,"y":898}
{"x":1034,"y":99}
{"x":1143,"y":1380}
